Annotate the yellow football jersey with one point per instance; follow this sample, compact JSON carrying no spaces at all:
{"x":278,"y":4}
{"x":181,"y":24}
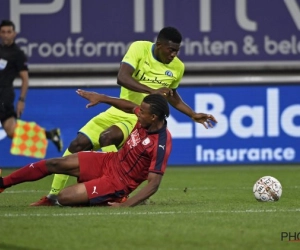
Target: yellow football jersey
{"x":149,"y":71}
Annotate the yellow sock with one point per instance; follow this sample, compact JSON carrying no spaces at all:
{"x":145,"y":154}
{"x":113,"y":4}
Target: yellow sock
{"x":59,"y":180}
{"x":109,"y":148}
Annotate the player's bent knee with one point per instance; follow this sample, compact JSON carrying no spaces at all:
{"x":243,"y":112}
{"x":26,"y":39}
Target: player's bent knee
{"x":66,"y":198}
{"x":80,"y":144}
{"x":73,"y":195}
{"x":62,"y":199}
{"x":110,"y":138}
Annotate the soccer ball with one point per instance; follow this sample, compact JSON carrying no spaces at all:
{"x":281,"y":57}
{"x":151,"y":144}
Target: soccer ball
{"x":267,"y":188}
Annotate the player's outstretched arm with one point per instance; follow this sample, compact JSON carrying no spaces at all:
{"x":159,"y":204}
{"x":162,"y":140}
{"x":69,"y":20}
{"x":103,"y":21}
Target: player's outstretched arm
{"x":147,"y":191}
{"x":96,"y":98}
{"x":206,"y":120}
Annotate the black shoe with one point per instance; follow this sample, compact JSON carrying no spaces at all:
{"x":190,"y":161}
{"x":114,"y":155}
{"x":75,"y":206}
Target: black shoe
{"x":56,"y":139}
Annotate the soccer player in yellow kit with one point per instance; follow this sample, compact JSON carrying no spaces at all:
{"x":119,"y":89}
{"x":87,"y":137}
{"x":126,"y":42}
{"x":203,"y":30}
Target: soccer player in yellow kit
{"x":147,"y":68}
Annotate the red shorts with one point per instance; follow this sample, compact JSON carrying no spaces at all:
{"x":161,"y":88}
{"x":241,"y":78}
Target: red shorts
{"x":97,"y":175}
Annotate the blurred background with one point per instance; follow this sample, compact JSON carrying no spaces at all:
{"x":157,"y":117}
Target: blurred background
{"x":242,"y":63}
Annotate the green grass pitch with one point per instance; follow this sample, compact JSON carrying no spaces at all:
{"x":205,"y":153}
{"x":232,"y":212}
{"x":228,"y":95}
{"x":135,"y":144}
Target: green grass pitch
{"x":195,"y":208}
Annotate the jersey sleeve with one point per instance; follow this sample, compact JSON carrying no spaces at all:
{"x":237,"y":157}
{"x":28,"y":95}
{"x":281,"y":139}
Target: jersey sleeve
{"x":21,"y":61}
{"x":180,"y":73}
{"x":160,"y":153}
{"x":134,"y":54}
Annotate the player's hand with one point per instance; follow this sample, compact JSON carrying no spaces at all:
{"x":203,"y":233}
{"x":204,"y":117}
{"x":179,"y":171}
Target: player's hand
{"x":114,"y":204}
{"x":205,"y":119}
{"x":163,"y":91}
{"x":93,"y":97}
{"x":20,"y":108}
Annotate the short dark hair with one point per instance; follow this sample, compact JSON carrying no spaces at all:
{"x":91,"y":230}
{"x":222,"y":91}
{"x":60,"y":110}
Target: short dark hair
{"x":158,"y":105}
{"x":7,"y":23}
{"x":170,"y":34}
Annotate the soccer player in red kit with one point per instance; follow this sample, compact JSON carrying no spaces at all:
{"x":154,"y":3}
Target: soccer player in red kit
{"x":108,"y":177}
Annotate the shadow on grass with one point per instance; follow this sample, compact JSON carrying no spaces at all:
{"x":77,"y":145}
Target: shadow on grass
{"x":5,"y":246}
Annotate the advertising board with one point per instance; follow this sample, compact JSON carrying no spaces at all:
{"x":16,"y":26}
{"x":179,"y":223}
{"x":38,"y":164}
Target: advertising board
{"x":257,"y":124}
{"x":67,"y":34}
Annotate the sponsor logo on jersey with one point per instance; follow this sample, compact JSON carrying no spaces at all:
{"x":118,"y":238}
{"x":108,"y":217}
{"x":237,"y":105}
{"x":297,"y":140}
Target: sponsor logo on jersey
{"x":168,"y":73}
{"x":146,"y":141}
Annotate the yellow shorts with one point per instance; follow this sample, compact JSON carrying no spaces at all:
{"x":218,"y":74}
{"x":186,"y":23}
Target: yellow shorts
{"x":103,"y":121}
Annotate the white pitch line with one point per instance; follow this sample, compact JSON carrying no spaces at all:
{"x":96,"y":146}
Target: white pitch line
{"x":162,"y":189}
{"x":149,"y":213}
{"x":25,"y":191}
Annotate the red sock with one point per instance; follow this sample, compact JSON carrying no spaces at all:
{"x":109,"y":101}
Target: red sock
{"x":30,"y":172}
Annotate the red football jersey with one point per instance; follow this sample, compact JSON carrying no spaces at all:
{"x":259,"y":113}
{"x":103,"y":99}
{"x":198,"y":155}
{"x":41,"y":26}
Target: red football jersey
{"x":143,"y":152}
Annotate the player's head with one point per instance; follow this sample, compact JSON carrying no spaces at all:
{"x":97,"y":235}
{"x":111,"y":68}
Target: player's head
{"x":154,"y":109}
{"x":169,"y":34}
{"x":7,"y":32}
{"x":167,"y":44}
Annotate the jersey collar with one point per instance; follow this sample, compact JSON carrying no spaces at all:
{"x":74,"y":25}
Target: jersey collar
{"x":162,"y":129}
{"x":152,"y":50}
